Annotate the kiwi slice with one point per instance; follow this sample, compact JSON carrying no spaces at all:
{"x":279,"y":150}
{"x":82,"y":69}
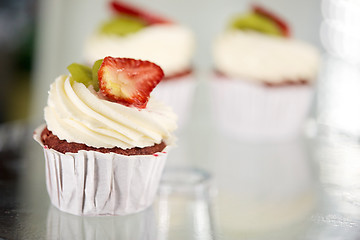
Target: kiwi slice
{"x":80,"y":73}
{"x":256,"y":22}
{"x":122,"y":26}
{"x":95,"y":69}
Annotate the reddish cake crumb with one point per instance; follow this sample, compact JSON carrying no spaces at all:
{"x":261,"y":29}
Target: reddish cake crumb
{"x":53,"y":142}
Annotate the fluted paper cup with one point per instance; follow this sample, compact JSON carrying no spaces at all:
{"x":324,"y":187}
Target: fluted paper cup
{"x":255,"y":112}
{"x":92,"y":183}
{"x":178,"y":93}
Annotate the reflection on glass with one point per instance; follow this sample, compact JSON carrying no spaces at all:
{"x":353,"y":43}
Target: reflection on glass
{"x":340,"y":33}
{"x":184,"y":205}
{"x":338,"y":101}
{"x":339,"y":173}
{"x":139,"y":226}
{"x":338,"y":214}
{"x":262,"y":187}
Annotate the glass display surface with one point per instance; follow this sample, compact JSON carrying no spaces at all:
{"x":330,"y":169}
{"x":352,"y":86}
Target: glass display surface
{"x":213,"y":187}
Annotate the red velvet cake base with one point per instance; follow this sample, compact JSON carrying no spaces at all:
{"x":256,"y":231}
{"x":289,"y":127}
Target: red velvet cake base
{"x":53,"y":142}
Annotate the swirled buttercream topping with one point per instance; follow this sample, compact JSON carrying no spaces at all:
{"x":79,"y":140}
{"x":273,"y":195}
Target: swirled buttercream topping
{"x":170,"y":46}
{"x":263,"y":58}
{"x":78,"y":114}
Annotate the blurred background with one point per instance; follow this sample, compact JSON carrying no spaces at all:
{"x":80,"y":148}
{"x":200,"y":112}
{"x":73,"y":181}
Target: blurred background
{"x":17,"y":38}
{"x":41,"y":37}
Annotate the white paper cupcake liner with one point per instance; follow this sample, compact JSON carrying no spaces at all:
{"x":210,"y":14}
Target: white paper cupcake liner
{"x":256,"y":112}
{"x":177,"y":93}
{"x":93,"y":183}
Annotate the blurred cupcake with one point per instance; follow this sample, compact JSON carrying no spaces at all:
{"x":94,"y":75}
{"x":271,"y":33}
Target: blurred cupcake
{"x":105,"y":140}
{"x":263,"y":84}
{"x":135,"y":33}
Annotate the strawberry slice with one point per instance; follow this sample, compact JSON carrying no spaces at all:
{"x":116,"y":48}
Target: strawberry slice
{"x":276,"y":19}
{"x":123,"y":8}
{"x":128,"y":81}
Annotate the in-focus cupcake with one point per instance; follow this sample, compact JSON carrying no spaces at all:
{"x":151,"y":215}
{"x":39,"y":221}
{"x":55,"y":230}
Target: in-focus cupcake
{"x":263,"y":83}
{"x":105,"y":139}
{"x":135,"y":33}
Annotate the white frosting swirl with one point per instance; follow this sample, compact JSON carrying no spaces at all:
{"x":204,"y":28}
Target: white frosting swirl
{"x":170,"y":46}
{"x":77,"y":114}
{"x":260,"y":57}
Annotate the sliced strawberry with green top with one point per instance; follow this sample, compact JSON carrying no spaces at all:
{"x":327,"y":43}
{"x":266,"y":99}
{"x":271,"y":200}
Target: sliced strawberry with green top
{"x":276,"y":19}
{"x":128,"y":81}
{"x":127,"y":9}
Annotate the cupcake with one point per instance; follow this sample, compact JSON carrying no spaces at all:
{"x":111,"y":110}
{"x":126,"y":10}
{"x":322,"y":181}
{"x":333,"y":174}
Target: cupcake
{"x":105,"y":139}
{"x":263,"y":84}
{"x":134,"y":33}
